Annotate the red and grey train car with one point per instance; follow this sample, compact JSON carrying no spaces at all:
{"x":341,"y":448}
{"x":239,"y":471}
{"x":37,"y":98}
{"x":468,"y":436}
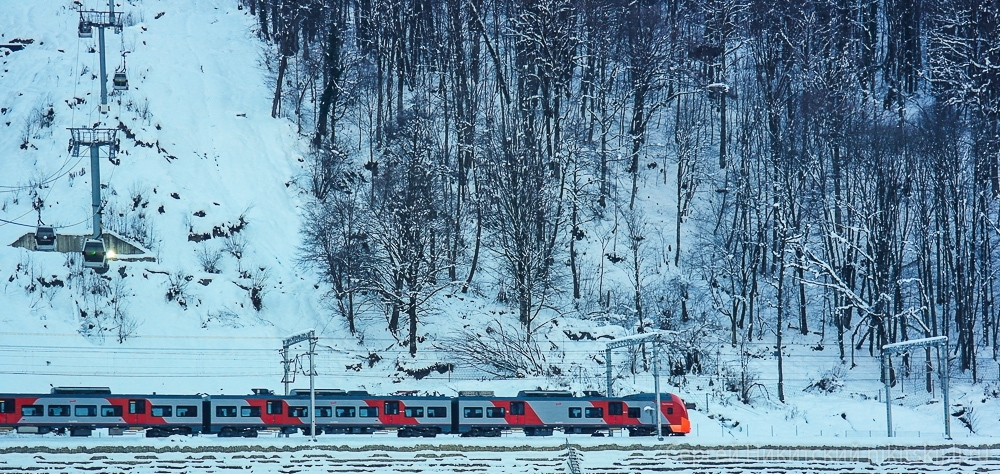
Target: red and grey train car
{"x":337,"y":412}
{"x":79,"y":411}
{"x":541,"y":412}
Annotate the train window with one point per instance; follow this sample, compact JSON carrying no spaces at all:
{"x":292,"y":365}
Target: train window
{"x":161,"y":410}
{"x":111,"y":410}
{"x":670,"y":410}
{"x":391,"y":408}
{"x":251,"y":412}
{"x":58,"y":410}
{"x":137,"y":407}
{"x":346,"y":412}
{"x":32,"y":410}
{"x":473,"y":412}
{"x":414,"y":412}
{"x":225,"y":412}
{"x":594,"y":412}
{"x":85,"y":410}
{"x":368,"y":412}
{"x":575,"y":412}
{"x":495,"y":412}
{"x":516,"y":408}
{"x":324,"y":412}
{"x":187,"y":411}
{"x":615,"y":408}
{"x":298,"y":411}
{"x":437,"y":412}
{"x":274,"y":407}
{"x":634,"y":412}
{"x":7,"y":405}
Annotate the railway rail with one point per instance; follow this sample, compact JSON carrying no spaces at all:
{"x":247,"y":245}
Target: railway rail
{"x":480,"y":456}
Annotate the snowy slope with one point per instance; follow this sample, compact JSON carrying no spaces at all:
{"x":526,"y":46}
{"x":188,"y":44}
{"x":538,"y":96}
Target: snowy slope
{"x":207,"y":153}
{"x":217,"y":156}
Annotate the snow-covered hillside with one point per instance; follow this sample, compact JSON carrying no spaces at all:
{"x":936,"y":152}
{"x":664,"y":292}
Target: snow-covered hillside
{"x":204,"y":172}
{"x":199,"y":152}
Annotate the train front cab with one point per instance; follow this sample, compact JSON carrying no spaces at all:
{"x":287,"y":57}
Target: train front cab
{"x":673,"y":415}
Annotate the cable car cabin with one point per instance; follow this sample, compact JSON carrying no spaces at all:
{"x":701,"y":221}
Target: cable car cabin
{"x":120,"y":82}
{"x":94,"y":254}
{"x":85,"y":30}
{"x":45,"y":238}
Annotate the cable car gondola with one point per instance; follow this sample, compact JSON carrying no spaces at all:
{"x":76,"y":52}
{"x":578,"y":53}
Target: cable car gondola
{"x":94,"y":254}
{"x":120,"y":82}
{"x":85,"y":30}
{"x":45,"y":238}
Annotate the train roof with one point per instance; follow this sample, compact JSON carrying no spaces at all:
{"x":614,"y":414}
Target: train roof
{"x":81,"y":391}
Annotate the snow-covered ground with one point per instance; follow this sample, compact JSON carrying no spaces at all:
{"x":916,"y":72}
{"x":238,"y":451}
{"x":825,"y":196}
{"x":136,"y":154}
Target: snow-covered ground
{"x":207,"y":154}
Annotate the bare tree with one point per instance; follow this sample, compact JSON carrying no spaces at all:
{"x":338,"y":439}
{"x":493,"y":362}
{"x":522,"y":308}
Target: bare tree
{"x":407,"y":224}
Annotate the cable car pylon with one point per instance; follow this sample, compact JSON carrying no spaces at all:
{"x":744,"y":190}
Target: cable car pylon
{"x":89,"y":20}
{"x":94,"y":251}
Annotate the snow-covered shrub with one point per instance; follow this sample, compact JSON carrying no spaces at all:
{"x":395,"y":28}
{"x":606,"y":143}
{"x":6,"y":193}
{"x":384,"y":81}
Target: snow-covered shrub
{"x":208,"y":258}
{"x":741,"y":381}
{"x":224,"y":317}
{"x":38,"y":124}
{"x":122,"y":322}
{"x":91,"y":309}
{"x":177,"y":288}
{"x":258,"y":281}
{"x":830,"y":382}
{"x":129,"y":220}
{"x":236,"y":245}
{"x":498,"y":350}
{"x":967,"y":416}
{"x":991,"y":390}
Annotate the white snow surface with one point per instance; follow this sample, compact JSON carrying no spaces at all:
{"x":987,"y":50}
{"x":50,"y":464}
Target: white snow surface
{"x":199,"y":69}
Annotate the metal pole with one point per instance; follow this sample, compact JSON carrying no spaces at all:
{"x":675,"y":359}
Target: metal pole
{"x":312,"y":388}
{"x":286,"y":362}
{"x":607,"y":361}
{"x":95,"y":186}
{"x":946,"y":383}
{"x":104,"y":71}
{"x":656,"y":386}
{"x":888,"y":401}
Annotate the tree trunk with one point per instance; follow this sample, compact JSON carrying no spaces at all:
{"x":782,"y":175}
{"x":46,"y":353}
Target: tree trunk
{"x":276,"y":103}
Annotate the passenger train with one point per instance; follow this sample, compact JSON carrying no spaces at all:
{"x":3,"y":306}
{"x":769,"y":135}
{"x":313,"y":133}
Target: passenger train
{"x":79,"y":411}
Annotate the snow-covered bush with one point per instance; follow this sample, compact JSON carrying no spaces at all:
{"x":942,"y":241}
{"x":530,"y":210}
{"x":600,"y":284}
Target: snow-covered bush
{"x":129,"y":220}
{"x":208,"y":258}
{"x":830,"y":382}
{"x":498,"y":350}
{"x":177,"y":289}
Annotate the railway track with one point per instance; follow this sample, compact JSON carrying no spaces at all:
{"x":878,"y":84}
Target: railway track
{"x":556,"y":458}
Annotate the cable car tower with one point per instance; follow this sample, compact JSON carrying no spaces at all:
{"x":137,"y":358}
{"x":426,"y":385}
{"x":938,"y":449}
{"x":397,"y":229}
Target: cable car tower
{"x":94,"y":253}
{"x":89,"y":20}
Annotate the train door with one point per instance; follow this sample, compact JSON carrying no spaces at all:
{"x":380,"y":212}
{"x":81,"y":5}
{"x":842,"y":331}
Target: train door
{"x":391,"y":411}
{"x":273,"y":411}
{"x":6,"y":410}
{"x":206,"y":416}
{"x":615,"y":416}
{"x":517,"y":414}
{"x":137,"y":412}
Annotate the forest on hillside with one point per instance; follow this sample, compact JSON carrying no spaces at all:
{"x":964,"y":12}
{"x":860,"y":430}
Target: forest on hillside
{"x":830,"y":165}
